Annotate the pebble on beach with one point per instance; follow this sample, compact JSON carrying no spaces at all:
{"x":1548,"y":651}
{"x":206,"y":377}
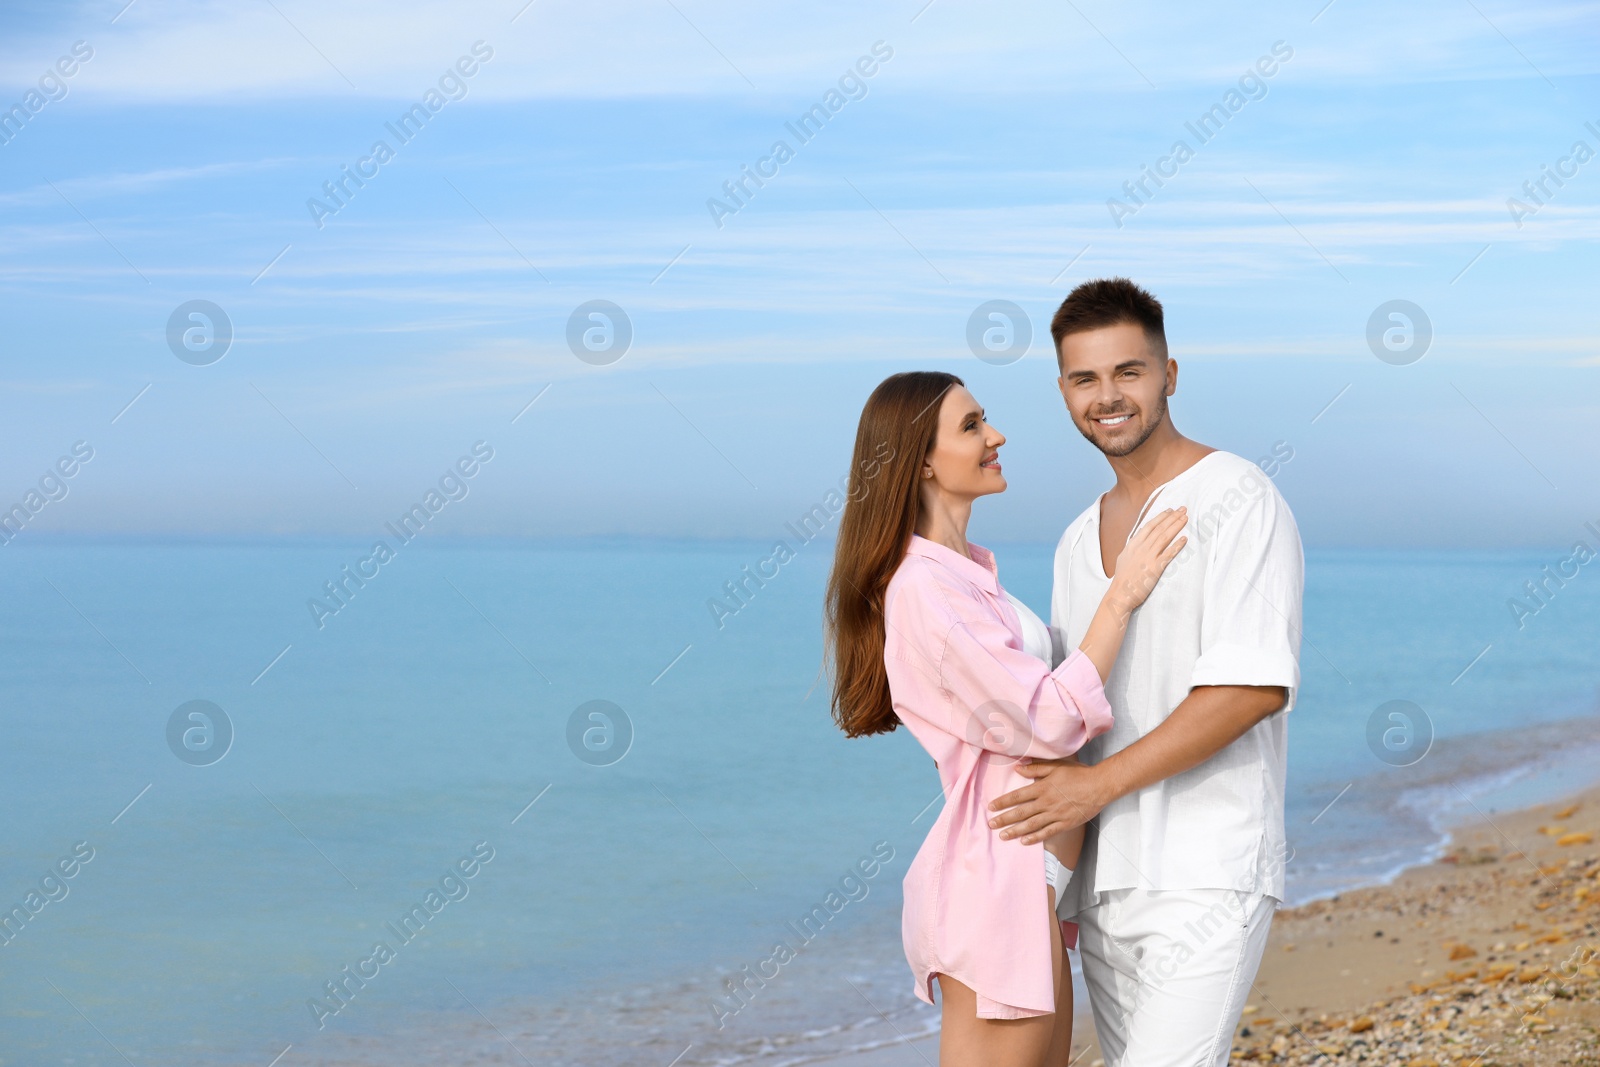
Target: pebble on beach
{"x":1527,"y":996}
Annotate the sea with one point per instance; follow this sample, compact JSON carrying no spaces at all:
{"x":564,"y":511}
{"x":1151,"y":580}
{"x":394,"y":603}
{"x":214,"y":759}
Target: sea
{"x":507,"y":802}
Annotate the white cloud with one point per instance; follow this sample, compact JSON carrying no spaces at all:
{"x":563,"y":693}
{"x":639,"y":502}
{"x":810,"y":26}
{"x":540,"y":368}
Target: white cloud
{"x":207,"y":49}
{"x":135,"y":182}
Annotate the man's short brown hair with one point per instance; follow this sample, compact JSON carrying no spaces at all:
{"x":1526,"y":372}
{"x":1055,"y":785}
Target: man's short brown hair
{"x":1107,"y":302}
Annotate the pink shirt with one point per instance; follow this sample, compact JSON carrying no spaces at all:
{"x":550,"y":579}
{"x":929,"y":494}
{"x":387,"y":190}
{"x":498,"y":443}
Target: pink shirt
{"x":976,"y":906}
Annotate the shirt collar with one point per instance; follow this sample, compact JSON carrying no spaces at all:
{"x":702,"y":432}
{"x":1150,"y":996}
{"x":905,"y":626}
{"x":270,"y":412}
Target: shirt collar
{"x":980,"y":570}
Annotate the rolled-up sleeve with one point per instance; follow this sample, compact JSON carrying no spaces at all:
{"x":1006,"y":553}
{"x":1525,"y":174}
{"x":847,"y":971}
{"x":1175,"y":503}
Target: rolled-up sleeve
{"x":1250,"y":627}
{"x":1006,"y":700}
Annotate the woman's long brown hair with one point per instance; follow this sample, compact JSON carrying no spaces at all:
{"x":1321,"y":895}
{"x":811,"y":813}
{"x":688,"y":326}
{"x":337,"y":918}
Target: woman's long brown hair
{"x":897,"y":429}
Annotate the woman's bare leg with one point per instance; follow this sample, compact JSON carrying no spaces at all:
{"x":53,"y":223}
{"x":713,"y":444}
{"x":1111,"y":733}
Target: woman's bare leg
{"x":968,"y":1041}
{"x":1066,"y":847}
{"x":1060,"y":1051}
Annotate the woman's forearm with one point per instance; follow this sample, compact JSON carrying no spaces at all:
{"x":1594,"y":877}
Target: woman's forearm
{"x":1139,"y":567}
{"x":1106,"y":630}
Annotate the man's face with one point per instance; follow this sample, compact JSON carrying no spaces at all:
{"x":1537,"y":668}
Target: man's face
{"x":1115,"y":385}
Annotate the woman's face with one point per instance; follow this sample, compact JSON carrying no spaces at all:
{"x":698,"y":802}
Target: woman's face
{"x":965,"y":459}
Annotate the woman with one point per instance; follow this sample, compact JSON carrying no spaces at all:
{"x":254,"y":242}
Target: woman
{"x":921,"y":633}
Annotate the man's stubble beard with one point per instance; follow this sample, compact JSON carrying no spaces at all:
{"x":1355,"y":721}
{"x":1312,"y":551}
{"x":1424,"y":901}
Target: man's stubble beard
{"x":1150,"y":428}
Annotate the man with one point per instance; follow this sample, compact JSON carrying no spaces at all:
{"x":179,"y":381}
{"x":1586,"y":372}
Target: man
{"x":1182,"y":867}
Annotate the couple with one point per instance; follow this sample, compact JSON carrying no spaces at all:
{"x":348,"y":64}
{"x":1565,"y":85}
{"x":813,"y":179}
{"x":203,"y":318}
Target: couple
{"x":1114,"y":781}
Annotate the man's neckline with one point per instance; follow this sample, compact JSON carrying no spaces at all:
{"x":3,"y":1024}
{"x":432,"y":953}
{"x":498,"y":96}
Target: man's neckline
{"x":1100,"y":502}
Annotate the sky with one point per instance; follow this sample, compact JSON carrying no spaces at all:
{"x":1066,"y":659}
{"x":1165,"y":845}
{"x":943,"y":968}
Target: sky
{"x":1357,"y":154}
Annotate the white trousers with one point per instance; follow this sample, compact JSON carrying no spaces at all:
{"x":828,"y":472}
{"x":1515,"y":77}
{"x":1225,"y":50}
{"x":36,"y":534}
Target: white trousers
{"x":1168,"y":972}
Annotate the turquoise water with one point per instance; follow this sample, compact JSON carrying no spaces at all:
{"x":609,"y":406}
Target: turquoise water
{"x":430,"y":715}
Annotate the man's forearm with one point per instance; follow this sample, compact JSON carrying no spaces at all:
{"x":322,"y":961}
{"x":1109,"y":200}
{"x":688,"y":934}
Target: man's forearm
{"x":1065,"y":793}
{"x":1209,"y":719}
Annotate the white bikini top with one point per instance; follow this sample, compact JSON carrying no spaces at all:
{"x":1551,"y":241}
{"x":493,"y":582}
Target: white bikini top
{"x":1035,"y":634}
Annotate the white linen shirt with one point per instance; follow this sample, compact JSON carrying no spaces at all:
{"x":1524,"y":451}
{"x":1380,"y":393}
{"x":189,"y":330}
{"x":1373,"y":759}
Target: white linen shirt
{"x":1225,"y":612}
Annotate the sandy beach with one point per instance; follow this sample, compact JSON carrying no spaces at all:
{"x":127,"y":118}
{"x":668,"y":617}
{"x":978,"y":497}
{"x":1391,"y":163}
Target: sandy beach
{"x":1489,"y":957}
